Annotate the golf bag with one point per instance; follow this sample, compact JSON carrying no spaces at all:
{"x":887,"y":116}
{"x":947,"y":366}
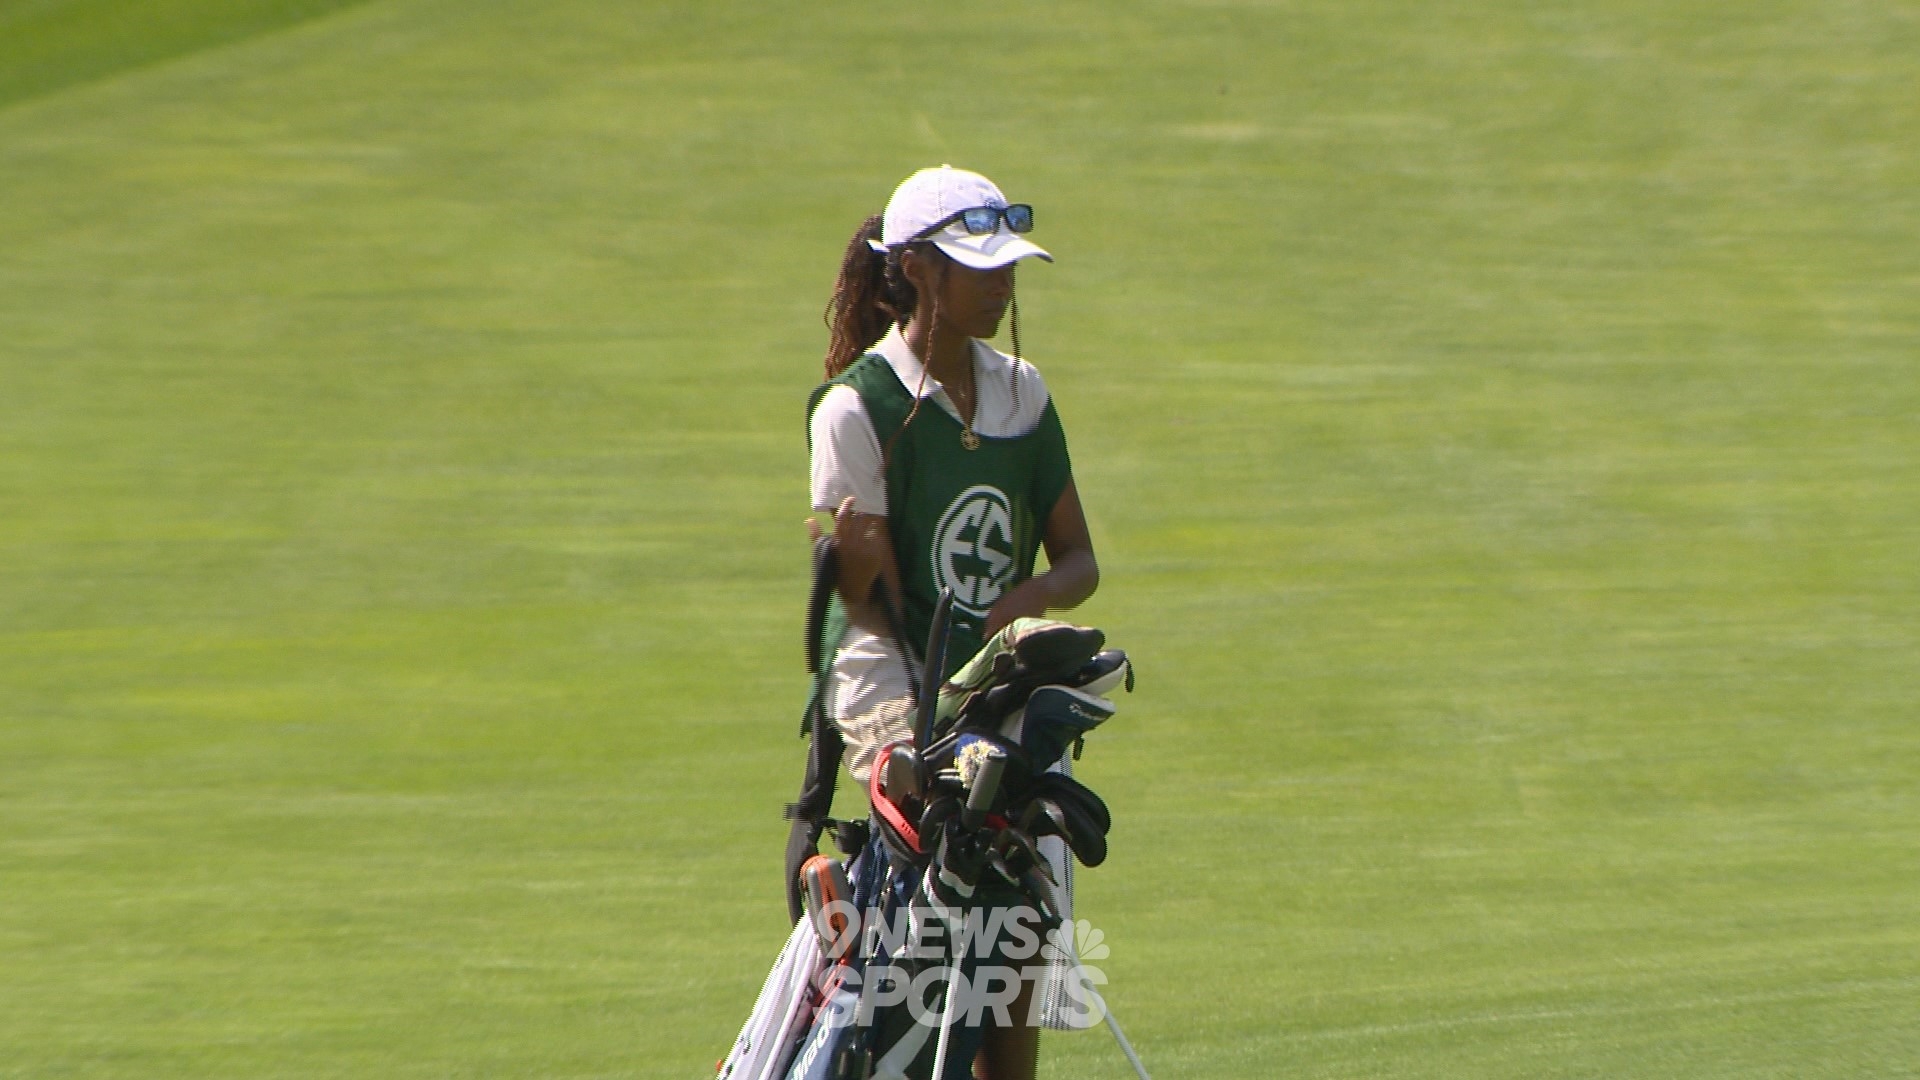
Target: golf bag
{"x":951,"y":853}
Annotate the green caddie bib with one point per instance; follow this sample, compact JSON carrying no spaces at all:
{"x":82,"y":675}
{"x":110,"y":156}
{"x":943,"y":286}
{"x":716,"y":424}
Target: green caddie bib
{"x":971,"y":520}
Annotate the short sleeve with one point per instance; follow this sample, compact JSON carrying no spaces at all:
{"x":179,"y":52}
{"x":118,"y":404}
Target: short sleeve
{"x":846,"y":454}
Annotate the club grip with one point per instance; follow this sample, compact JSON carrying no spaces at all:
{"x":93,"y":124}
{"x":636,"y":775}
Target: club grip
{"x":985,"y":786}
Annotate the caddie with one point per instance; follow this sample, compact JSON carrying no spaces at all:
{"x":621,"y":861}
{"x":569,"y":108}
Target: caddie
{"x":943,"y":463}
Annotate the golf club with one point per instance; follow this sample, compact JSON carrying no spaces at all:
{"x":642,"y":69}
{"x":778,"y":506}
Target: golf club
{"x":979,"y":799}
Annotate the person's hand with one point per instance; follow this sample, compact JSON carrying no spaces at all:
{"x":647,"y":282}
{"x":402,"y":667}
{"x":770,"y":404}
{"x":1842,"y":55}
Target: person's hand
{"x":865,"y":548}
{"x":866,"y":553}
{"x":1029,"y":599}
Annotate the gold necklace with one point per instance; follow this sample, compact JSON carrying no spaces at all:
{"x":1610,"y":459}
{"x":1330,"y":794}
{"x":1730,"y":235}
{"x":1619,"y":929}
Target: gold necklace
{"x":968,"y":439}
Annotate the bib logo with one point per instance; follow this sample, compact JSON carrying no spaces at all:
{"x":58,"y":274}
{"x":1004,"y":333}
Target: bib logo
{"x":973,"y":548}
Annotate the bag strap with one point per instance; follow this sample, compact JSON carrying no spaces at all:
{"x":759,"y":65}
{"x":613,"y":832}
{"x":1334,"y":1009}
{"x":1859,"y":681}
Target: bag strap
{"x":826,"y":571}
{"x":808,"y":814}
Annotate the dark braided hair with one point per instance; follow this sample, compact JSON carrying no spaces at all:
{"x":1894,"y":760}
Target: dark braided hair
{"x":869,"y":296}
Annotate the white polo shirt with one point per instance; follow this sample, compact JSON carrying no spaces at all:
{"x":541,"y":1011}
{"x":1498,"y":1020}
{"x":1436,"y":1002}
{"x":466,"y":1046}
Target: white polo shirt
{"x":1010,"y":397}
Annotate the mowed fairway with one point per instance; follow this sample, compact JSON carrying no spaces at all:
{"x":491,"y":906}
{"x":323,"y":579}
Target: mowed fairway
{"x":1500,"y":426}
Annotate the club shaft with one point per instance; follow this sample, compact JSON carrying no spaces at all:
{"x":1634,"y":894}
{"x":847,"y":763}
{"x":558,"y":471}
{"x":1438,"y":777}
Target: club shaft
{"x":934,"y":672}
{"x":946,"y":1026}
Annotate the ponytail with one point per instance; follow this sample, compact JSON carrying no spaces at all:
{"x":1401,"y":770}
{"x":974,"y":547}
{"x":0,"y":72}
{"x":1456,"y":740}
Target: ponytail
{"x":869,"y":296}
{"x":858,"y":313}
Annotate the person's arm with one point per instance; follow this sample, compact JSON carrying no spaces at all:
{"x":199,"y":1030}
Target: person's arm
{"x":847,"y":480}
{"x":1072,"y":572}
{"x":866,"y":555}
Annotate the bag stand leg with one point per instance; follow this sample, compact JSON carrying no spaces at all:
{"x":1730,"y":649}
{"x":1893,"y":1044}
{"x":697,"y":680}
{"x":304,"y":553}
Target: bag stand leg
{"x":1125,"y":1046}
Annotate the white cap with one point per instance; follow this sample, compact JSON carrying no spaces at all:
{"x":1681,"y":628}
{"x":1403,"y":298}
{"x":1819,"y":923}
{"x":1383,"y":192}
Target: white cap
{"x":930,"y":196}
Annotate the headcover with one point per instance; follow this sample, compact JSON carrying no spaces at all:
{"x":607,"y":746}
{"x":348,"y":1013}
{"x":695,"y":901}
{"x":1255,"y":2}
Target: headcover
{"x":1054,"y":718}
{"x":1083,"y":815}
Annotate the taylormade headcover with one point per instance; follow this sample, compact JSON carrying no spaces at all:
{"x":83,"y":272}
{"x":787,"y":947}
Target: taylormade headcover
{"x":1053,"y":719}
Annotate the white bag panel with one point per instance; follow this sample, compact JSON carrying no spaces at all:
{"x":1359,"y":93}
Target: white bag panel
{"x":781,"y":1014}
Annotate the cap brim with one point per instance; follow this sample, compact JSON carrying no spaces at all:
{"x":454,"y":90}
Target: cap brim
{"x":988,"y":252}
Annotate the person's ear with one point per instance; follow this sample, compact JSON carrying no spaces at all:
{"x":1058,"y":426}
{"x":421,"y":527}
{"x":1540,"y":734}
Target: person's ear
{"x":914,"y":267}
{"x":923,"y":270}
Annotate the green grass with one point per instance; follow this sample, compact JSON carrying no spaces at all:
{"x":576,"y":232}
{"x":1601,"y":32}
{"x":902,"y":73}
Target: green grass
{"x":1497,"y":424}
{"x":49,"y":45}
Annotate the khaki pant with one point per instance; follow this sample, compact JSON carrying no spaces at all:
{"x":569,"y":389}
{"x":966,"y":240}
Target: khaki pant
{"x":869,"y":732}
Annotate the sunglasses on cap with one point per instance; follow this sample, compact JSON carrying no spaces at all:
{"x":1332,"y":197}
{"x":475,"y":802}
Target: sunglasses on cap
{"x":981,"y":220}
